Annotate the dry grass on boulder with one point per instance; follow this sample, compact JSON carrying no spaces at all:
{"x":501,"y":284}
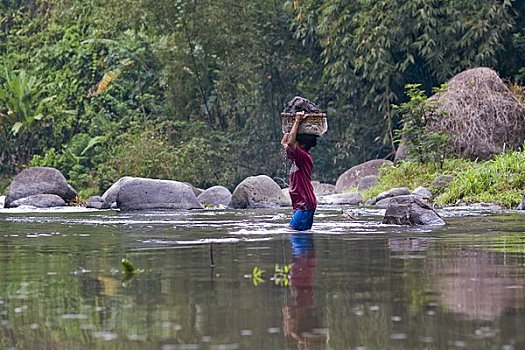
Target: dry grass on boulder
{"x":480,"y":114}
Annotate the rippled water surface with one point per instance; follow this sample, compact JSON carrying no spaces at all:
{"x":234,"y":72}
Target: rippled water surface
{"x":224,"y":279}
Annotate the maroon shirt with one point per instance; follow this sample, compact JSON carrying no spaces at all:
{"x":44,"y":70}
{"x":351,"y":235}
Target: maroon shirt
{"x":301,"y":189}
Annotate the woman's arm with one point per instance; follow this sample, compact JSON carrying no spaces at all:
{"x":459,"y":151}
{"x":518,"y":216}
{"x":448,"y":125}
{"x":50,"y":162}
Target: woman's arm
{"x":284,"y":140}
{"x":291,"y":141}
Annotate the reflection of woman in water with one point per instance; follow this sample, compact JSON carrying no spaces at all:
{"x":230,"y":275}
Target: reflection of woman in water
{"x":300,"y":317}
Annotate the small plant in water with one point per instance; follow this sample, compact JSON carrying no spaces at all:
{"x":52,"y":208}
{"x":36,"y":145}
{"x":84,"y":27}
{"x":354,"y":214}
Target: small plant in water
{"x":128,"y":269}
{"x":256,"y":276}
{"x":281,"y":276}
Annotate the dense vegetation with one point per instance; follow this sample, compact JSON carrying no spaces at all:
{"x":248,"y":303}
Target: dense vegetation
{"x":192,"y":90}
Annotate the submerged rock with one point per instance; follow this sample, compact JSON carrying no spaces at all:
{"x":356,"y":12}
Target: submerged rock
{"x":37,"y":181}
{"x":257,"y":192}
{"x":411,"y":210}
{"x":152,"y":194}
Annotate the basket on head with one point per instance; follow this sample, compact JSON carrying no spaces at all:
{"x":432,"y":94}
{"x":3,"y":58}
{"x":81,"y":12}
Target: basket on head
{"x":313,"y":124}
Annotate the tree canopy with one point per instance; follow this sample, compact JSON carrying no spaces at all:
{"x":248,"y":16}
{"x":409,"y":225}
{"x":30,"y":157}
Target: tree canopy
{"x":192,"y":90}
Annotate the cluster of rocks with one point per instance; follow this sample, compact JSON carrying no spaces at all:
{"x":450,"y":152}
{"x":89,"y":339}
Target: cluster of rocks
{"x":44,"y":187}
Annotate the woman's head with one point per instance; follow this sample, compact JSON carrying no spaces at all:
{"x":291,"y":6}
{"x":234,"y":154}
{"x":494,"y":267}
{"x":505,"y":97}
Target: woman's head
{"x":306,"y":141}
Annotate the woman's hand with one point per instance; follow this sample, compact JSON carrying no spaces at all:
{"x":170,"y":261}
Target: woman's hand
{"x":300,"y":116}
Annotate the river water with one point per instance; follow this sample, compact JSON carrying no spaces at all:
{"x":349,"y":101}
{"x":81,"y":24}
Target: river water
{"x":237,"y":279}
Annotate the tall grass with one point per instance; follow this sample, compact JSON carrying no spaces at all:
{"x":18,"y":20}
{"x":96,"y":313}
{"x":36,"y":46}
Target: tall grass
{"x":415,"y":174}
{"x":500,"y":180}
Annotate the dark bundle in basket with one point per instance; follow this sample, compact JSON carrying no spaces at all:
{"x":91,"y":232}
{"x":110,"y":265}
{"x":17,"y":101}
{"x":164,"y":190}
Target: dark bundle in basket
{"x":315,"y":122}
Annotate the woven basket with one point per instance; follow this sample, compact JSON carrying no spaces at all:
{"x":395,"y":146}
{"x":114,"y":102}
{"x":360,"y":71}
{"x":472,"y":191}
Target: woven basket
{"x":313,"y":123}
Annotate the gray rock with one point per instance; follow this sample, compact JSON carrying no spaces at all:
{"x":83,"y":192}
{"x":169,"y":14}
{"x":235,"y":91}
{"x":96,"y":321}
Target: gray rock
{"x":367,"y":182}
{"x":151,"y":194}
{"x":96,"y":202}
{"x":215,"y":196}
{"x":489,"y":207}
{"x":39,"y":180}
{"x":411,"y":210}
{"x":442,"y":181}
{"x":370,"y":202}
{"x":321,"y":189}
{"x":111,"y":194}
{"x":350,"y":178}
{"x":422,"y":192}
{"x":286,"y":193}
{"x":40,"y":201}
{"x":394,"y":192}
{"x":257,"y":192}
{"x":383,"y":203}
{"x":196,"y":191}
{"x":350,"y":198}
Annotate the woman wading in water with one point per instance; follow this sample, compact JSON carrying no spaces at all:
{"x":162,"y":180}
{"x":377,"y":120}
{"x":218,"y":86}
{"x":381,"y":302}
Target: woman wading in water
{"x":297,"y":148}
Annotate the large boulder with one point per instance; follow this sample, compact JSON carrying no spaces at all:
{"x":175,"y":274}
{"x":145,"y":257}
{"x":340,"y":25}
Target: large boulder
{"x":215,"y":196}
{"x":151,"y":194}
{"x":39,"y":180}
{"x":322,"y":189}
{"x":350,"y":178}
{"x":286,"y":194}
{"x":111,"y":194}
{"x":40,"y":201}
{"x":257,"y":192}
{"x":411,"y":210}
{"x":367,"y":182}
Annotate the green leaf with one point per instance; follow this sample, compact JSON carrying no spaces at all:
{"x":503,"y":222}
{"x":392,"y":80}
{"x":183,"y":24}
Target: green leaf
{"x":16,"y":128}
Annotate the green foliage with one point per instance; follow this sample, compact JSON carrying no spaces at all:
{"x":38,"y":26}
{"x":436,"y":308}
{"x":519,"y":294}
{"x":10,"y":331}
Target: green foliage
{"x":23,"y":104}
{"x":412,"y":174}
{"x":500,"y":180}
{"x":372,"y":49}
{"x":417,"y":115}
{"x":77,"y":161}
{"x":201,"y":83}
{"x":178,"y":151}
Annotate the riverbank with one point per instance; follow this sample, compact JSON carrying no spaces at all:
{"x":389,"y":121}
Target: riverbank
{"x":500,"y":180}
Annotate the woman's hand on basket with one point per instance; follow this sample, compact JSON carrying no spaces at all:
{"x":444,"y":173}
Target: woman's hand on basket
{"x":300,"y":116}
